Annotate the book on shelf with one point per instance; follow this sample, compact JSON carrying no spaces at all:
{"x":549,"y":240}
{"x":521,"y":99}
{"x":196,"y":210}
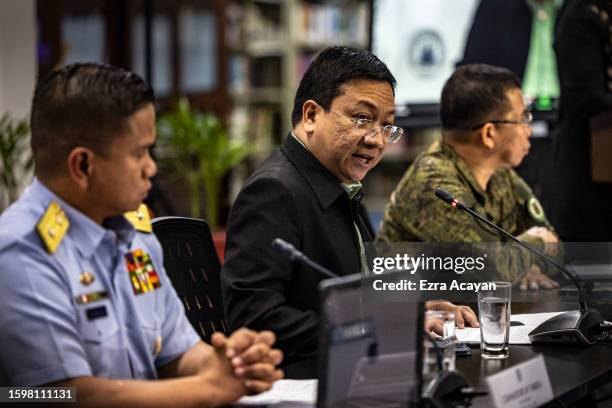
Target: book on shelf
{"x":327,"y":24}
{"x":234,"y":25}
{"x":265,"y":72}
{"x":238,"y":78}
{"x":263,"y":23}
{"x":303,"y":62}
{"x":262,"y":129}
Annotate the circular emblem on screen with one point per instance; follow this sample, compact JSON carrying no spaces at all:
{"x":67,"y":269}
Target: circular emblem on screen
{"x":426,"y":52}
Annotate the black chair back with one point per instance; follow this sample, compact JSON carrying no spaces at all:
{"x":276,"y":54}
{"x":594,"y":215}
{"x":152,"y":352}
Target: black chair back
{"x":193,"y":266}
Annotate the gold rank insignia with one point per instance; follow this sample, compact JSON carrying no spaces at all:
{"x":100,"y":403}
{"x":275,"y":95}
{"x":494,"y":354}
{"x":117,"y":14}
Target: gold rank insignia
{"x":86,"y":278}
{"x":140,"y":219}
{"x":52,"y":226}
{"x":535,"y":210}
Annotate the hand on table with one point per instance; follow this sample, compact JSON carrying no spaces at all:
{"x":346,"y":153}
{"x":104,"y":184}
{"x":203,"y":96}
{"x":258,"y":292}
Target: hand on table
{"x":252,"y":358}
{"x":463,"y":315}
{"x":536,"y":280}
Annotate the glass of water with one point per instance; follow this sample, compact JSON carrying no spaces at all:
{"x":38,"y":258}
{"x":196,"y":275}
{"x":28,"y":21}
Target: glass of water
{"x":494,"y":317}
{"x":445,"y":344}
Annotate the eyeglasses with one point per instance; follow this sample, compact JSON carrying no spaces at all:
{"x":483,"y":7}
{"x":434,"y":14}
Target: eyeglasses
{"x":370,"y":128}
{"x":527,"y":120}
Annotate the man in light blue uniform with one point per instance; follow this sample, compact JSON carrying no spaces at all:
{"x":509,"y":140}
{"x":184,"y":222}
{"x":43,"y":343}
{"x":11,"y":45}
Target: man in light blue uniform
{"x":75,"y":313}
{"x":84,"y":296}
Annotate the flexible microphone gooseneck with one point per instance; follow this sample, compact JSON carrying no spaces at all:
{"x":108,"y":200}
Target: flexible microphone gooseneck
{"x":576,"y":326}
{"x":294,"y":254}
{"x":453,"y":202}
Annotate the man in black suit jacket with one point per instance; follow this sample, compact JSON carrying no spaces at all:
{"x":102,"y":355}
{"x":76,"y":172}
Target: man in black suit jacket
{"x":307,"y":193}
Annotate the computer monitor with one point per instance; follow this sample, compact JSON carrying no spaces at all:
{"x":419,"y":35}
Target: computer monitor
{"x":370,"y":350}
{"x":421,"y":42}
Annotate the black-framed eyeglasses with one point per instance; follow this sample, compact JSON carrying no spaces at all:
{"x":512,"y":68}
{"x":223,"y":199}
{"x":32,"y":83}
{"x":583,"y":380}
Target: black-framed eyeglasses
{"x":527,"y":120}
{"x":371,"y":127}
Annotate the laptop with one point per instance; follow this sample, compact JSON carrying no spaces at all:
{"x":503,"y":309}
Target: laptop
{"x":370,"y":351}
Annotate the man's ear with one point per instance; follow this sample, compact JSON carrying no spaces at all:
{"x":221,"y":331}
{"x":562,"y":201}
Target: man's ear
{"x":79,"y":166}
{"x":310,"y":112}
{"x":488,"y":135}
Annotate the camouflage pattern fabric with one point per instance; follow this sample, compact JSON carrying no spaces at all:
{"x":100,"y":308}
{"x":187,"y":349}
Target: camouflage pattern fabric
{"x":414,"y":213}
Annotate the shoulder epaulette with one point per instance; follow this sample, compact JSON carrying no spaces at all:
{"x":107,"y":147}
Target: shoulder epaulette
{"x":140,"y":219}
{"x":52,"y":226}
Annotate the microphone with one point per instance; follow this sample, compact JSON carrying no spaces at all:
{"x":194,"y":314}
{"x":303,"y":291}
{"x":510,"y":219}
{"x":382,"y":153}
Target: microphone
{"x":577,"y":326}
{"x":448,"y":198}
{"x":447,"y":387}
{"x":294,"y":254}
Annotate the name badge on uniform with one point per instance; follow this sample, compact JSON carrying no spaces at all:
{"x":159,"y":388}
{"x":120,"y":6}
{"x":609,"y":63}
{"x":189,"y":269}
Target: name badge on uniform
{"x":143,"y":275}
{"x":96,"y":312}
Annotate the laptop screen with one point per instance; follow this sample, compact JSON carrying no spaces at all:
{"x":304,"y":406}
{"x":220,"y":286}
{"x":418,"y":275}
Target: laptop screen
{"x":370,"y":351}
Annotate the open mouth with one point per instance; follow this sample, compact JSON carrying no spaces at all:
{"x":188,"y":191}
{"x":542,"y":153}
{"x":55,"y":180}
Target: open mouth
{"x":363,"y":158}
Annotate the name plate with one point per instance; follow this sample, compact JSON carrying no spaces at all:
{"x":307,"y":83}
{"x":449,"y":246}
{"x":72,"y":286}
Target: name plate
{"x":522,"y":386}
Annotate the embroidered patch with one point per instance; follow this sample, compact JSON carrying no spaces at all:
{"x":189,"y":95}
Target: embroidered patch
{"x":535,"y":210}
{"x":142,"y":274}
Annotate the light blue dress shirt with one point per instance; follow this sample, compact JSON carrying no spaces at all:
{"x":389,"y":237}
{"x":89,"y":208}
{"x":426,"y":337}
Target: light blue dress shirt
{"x":47,"y":335}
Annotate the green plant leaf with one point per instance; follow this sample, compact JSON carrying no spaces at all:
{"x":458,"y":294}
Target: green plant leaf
{"x":194,"y":144}
{"x":15,"y":154}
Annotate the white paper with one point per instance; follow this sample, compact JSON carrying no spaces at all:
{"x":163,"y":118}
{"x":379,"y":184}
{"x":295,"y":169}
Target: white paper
{"x":525,"y":385}
{"x":518,"y":334}
{"x":285,"y":393}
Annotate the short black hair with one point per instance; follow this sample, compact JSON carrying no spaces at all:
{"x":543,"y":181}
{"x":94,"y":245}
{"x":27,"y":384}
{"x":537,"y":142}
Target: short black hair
{"x":474,"y":93}
{"x":332,"y":68}
{"x":83,"y":104}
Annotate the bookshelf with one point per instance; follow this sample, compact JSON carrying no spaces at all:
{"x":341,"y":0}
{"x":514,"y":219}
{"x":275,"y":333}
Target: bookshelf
{"x":270,"y":44}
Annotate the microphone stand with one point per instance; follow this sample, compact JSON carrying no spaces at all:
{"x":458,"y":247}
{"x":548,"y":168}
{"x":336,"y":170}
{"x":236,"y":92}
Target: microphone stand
{"x":296,"y":255}
{"x":448,"y":388}
{"x":576,"y":326}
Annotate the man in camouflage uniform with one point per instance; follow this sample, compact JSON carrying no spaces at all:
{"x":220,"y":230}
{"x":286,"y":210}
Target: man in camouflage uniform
{"x":485,"y":132}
